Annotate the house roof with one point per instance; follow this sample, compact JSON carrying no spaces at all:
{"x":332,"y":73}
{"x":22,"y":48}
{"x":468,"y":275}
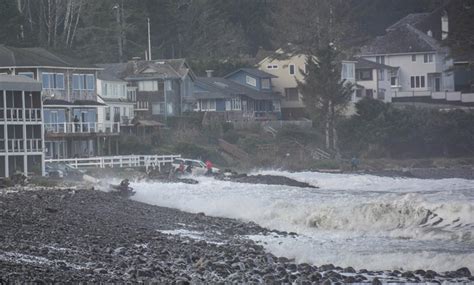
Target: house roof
{"x":410,"y":19}
{"x":220,"y":88}
{"x":362,"y":63}
{"x":405,"y":39}
{"x":19,"y":83}
{"x":143,"y":70}
{"x":37,"y":57}
{"x":254,"y":72}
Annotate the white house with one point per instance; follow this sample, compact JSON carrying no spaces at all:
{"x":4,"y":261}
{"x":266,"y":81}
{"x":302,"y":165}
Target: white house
{"x":119,"y":99}
{"x":409,"y":63}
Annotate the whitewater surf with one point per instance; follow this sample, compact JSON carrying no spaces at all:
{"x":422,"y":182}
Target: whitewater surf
{"x":363,"y":221}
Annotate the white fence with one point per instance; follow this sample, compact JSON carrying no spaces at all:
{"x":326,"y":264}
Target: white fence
{"x":117,"y":161}
{"x":451,"y":96}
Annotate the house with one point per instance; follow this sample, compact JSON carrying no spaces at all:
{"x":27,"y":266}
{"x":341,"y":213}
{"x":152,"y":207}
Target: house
{"x":411,"y":56}
{"x":245,"y":94}
{"x":70,"y":103}
{"x":21,"y":129}
{"x":118,"y":98}
{"x":373,"y":79}
{"x":159,"y":89}
{"x":286,"y":69}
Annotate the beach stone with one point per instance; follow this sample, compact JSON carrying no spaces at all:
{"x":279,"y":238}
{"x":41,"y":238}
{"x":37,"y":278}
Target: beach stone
{"x":349,"y":270}
{"x":376,"y":281}
{"x":408,"y":274}
{"x":463,"y":272}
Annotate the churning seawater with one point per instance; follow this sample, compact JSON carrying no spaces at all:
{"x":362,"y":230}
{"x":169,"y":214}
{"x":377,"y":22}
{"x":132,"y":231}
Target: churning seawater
{"x":362,"y":221}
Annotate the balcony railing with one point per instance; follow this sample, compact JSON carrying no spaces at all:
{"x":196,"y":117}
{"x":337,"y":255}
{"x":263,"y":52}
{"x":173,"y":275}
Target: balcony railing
{"x":18,"y":145}
{"x":18,"y":114}
{"x":81,"y":128}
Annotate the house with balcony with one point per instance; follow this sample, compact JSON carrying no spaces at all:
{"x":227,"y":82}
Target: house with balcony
{"x":286,"y":69}
{"x":118,"y":98}
{"x":243,"y":95}
{"x":413,"y":59}
{"x":159,"y":88}
{"x":69,"y":95}
{"x":21,"y":127}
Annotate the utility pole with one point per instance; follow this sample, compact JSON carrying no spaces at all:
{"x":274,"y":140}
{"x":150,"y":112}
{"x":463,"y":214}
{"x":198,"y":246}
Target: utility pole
{"x":119,"y":32}
{"x":149,"y":40}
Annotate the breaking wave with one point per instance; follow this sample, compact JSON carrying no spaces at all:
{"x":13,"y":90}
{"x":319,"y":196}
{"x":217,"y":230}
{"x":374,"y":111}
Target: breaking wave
{"x":365,"y":215}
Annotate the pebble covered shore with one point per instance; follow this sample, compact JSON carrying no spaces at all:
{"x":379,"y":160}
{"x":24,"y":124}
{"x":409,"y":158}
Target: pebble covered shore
{"x":93,"y":236}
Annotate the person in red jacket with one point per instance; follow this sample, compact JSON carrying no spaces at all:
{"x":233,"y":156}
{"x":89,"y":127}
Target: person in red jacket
{"x":209,"y":167}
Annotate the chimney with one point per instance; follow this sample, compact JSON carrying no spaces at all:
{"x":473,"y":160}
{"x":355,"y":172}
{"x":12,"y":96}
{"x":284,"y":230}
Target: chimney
{"x":209,"y":72}
{"x":444,"y":25}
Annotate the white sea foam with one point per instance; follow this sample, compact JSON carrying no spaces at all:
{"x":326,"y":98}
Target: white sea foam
{"x":358,"y":220}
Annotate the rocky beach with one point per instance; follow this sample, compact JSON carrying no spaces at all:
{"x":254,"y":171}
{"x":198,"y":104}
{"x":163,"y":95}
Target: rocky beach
{"x":65,"y":235}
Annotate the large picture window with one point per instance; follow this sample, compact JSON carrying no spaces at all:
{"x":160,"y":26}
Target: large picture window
{"x":364,"y":75}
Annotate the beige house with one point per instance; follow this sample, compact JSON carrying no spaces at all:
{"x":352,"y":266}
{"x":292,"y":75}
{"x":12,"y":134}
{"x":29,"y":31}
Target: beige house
{"x":287,"y":71}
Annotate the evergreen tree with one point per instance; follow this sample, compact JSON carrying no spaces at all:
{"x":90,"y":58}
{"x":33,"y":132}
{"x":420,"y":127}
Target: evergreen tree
{"x":324,"y":92}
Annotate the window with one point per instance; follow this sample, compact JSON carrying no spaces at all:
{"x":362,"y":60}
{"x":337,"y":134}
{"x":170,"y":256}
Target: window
{"x":235,"y":104}
{"x":427,"y":58}
{"x":208,"y":105}
{"x":369,"y":93}
{"x":265,"y":83}
{"x":359,"y":93}
{"x":364,"y":74}
{"x":27,"y":74}
{"x":381,"y":74}
{"x":417,"y":82}
{"x":292,"y":69}
{"x":413,"y":57}
{"x":272,"y":66}
{"x":149,"y":85}
{"x":105,"y":89}
{"x":380,"y":59}
{"x":53,"y":80}
{"x":251,"y":81}
{"x":83,"y":82}
{"x":291,"y":94}
{"x":381,"y":94}
{"x":107,"y":113}
{"x":347,"y":71}
{"x":393,"y":81}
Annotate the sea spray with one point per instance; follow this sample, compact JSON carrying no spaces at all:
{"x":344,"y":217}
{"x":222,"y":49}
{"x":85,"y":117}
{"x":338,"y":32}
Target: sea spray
{"x":350,"y":216}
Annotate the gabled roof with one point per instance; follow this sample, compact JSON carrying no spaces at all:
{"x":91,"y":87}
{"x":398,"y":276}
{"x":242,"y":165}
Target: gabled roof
{"x":220,"y":88}
{"x":19,"y":83}
{"x":405,"y":39}
{"x":37,"y":57}
{"x":252,"y":71}
{"x":134,"y":70}
{"x":362,"y":63}
{"x":410,"y":19}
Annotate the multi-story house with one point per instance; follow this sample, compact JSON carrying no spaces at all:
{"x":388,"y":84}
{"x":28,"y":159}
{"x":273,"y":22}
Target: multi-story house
{"x":246,"y":94}
{"x":69,"y":95}
{"x":160,"y":88}
{"x":286,"y":69}
{"x":412,"y":58}
{"x":21,"y":129}
{"x":119,"y":100}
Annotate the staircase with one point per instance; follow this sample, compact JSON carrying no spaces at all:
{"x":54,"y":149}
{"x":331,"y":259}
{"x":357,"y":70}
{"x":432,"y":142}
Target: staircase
{"x":233,"y":150}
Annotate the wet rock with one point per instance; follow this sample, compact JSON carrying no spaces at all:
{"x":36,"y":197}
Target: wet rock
{"x":376,"y":281}
{"x":408,"y":274}
{"x":349,"y":270}
{"x":463,"y":272}
{"x":420,"y":272}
